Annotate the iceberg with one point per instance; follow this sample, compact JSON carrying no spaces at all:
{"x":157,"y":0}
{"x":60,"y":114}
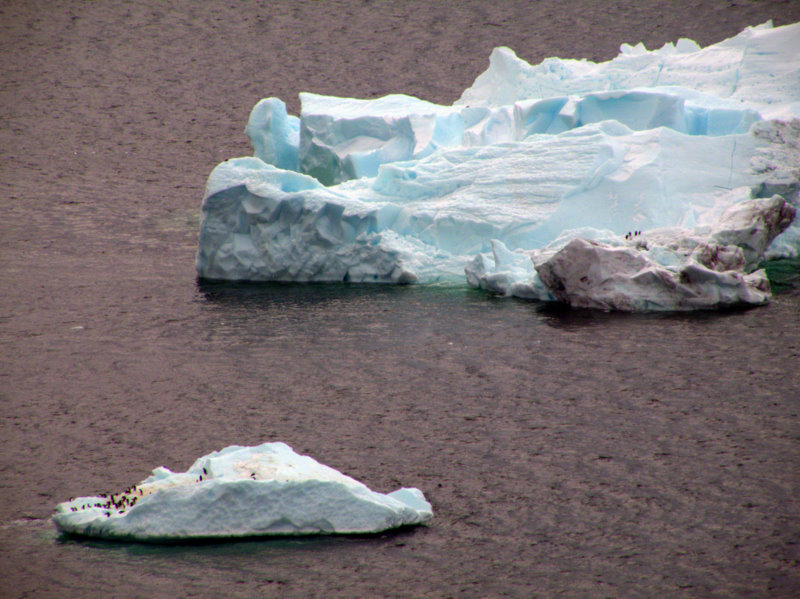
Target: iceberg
{"x":529,"y":160}
{"x":238,"y":492}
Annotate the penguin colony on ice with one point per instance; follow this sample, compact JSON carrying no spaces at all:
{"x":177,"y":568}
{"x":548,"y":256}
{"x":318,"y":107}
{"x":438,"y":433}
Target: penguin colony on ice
{"x":122,"y":501}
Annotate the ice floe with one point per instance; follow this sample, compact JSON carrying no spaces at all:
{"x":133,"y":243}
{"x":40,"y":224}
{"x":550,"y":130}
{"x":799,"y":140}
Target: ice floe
{"x":238,"y":492}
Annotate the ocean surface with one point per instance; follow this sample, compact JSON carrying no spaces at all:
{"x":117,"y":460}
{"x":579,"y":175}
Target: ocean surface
{"x":565,"y":452}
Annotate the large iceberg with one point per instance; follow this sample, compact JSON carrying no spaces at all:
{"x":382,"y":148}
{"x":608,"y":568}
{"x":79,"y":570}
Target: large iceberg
{"x":649,"y":155}
{"x":242,"y":491}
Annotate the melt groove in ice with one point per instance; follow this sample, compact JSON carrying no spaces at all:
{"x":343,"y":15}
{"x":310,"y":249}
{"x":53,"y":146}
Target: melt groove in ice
{"x":659,"y":161}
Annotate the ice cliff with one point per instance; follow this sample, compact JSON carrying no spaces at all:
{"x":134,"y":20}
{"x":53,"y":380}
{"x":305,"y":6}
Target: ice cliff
{"x":239,"y":492}
{"x":655,"y":181}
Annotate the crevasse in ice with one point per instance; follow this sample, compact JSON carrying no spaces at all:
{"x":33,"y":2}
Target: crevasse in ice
{"x":532,"y":169}
{"x":242,"y":491}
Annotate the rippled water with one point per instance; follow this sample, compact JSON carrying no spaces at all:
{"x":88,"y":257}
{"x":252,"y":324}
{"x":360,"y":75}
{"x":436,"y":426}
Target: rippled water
{"x":562,"y":450}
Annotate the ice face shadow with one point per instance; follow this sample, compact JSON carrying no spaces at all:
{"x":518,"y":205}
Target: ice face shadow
{"x":255,"y":546}
{"x":561,"y":316}
{"x":268,"y":294}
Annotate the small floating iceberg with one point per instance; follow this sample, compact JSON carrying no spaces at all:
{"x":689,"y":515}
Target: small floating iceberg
{"x":240,"y":492}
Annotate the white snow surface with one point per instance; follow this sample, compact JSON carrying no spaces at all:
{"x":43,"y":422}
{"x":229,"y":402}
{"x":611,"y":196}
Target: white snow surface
{"x":530,"y":159}
{"x":242,"y":491}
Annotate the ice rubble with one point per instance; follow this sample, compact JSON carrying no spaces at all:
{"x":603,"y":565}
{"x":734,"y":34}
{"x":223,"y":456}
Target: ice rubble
{"x":242,"y":491}
{"x":502,"y":185}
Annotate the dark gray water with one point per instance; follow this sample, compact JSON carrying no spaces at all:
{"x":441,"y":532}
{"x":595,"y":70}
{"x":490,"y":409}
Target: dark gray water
{"x":565,"y":452}
{"x":582,"y":452}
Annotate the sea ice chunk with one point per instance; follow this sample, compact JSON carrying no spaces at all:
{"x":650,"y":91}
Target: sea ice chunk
{"x":587,"y":274}
{"x":242,"y":491}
